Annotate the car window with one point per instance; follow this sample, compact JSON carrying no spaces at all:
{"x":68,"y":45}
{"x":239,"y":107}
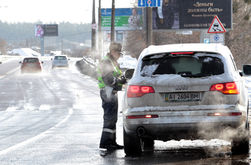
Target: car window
{"x":31,"y":60}
{"x":60,"y":58}
{"x":187,"y":65}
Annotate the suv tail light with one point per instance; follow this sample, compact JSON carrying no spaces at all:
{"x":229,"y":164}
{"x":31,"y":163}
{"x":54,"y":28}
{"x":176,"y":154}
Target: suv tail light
{"x":225,"y":114}
{"x":225,"y":88}
{"x":142,"y":116}
{"x":182,"y":53}
{"x":138,"y":91}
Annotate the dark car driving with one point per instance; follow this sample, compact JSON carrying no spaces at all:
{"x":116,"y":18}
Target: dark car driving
{"x":31,"y":64}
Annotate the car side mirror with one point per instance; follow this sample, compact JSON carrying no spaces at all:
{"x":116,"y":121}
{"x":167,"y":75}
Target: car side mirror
{"x":129,"y":73}
{"x":241,"y":73}
{"x":246,"y":69}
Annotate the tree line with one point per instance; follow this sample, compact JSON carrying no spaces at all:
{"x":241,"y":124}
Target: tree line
{"x":23,"y":34}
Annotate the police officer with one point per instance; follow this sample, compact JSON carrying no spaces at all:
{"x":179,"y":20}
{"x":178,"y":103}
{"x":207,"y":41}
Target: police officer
{"x":110,"y":81}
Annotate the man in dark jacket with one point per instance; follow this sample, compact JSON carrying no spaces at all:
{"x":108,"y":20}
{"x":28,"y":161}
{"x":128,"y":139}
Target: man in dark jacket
{"x":110,"y":81}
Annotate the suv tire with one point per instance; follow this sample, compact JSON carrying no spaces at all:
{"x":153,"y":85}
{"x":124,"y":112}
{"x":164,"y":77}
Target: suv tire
{"x":240,"y":145}
{"x":132,"y":145}
{"x":148,"y":144}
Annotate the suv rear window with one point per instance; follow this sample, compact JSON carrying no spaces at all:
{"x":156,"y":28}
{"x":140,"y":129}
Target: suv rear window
{"x":189,"y":64}
{"x":60,"y":58}
{"x":30,"y":60}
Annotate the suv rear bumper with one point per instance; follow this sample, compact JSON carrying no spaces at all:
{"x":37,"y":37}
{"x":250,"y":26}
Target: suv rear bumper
{"x":182,"y":131}
{"x":183,"y":124}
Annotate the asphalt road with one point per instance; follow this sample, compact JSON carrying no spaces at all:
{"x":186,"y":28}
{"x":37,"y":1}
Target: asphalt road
{"x":55,"y":117}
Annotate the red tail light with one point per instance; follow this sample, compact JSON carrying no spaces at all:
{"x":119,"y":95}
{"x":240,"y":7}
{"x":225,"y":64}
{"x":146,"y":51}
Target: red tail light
{"x":142,"y":116}
{"x":138,"y":91}
{"x":225,"y":114}
{"x":181,"y":53}
{"x":225,"y":88}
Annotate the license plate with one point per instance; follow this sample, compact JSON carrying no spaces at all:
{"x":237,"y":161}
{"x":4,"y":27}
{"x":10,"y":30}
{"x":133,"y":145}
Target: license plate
{"x":30,"y":65}
{"x":186,"y":96}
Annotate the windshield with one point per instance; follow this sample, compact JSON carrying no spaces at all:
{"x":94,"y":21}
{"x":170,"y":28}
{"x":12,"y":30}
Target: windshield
{"x":186,"y":65}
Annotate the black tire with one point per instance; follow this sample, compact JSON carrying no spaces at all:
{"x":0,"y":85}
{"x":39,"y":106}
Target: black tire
{"x":148,"y":144}
{"x":240,"y":145}
{"x":132,"y":145}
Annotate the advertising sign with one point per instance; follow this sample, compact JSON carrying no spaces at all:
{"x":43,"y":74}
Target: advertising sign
{"x":42,"y":30}
{"x":39,"y":31}
{"x":50,"y":30}
{"x":125,"y":19}
{"x":191,"y":14}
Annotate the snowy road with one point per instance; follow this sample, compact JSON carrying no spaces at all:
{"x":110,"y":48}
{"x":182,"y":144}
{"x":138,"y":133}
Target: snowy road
{"x":56,"y":118}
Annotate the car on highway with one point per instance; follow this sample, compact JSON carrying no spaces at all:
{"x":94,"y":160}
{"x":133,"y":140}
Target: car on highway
{"x":60,"y":61}
{"x":31,"y":64}
{"x":185,"y":91}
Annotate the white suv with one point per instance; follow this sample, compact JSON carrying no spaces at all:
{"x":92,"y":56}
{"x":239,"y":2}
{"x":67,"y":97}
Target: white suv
{"x":185,"y":91}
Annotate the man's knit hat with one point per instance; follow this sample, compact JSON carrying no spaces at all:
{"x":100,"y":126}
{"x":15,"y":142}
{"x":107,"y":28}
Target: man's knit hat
{"x":115,"y":46}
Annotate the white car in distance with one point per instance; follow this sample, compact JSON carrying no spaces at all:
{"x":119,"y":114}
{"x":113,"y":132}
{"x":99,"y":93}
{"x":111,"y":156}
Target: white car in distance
{"x":60,"y":61}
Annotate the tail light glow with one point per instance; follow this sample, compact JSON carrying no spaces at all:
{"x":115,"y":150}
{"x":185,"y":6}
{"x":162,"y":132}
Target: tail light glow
{"x":180,"y":53}
{"x":225,"y":114}
{"x":225,"y":88}
{"x":138,"y":91}
{"x":142,"y":116}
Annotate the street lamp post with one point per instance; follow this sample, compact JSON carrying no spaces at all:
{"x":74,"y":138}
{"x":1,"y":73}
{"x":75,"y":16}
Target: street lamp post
{"x":149,"y":26}
{"x":93,"y":29}
{"x":99,"y":30}
{"x":112,"y":21}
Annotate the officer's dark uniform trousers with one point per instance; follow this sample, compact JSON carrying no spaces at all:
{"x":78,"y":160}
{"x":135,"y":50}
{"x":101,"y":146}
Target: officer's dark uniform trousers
{"x":110,"y":107}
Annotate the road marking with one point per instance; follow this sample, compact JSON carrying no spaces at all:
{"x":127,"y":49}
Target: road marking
{"x":35,"y":138}
{"x":11,"y":71}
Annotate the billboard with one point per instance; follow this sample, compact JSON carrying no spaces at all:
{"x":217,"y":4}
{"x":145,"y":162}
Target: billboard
{"x":191,"y":14}
{"x":48,"y":30}
{"x":39,"y":31}
{"x":125,"y":18}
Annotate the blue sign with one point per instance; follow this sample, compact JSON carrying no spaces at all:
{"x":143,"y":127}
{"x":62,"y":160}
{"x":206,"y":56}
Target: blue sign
{"x":216,"y":37}
{"x":206,"y":40}
{"x":149,"y":3}
{"x":119,"y":12}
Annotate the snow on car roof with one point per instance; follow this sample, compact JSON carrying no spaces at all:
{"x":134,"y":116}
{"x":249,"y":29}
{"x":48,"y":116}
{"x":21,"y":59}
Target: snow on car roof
{"x":217,"y":48}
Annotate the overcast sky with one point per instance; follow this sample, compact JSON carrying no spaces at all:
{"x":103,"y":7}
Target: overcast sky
{"x":51,"y":11}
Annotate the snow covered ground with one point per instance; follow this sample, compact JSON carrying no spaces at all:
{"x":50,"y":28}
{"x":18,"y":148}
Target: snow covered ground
{"x":25,"y":52}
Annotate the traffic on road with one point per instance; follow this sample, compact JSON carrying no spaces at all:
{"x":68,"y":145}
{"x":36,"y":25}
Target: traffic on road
{"x":132,"y":82}
{"x":55,"y":117}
